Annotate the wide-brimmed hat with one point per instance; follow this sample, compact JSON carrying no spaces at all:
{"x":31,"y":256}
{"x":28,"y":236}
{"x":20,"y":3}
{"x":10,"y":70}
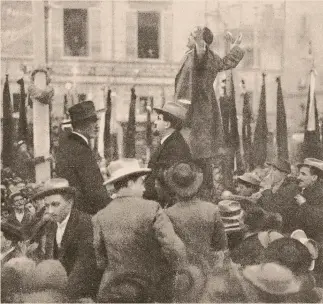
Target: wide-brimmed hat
{"x":174,"y":109}
{"x":273,"y":278}
{"x":54,"y":186}
{"x":290,"y":253}
{"x":310,"y":244}
{"x":281,"y":164}
{"x":185,"y":179}
{"x":312,"y":162}
{"x":15,"y":194}
{"x":82,"y":111}
{"x":231,"y":215}
{"x":125,"y":167}
{"x":250,"y":178}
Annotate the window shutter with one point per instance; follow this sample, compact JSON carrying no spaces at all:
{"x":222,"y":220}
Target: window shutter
{"x":132,"y":35}
{"x":57,"y":33}
{"x":168,"y":32}
{"x":95,"y":30}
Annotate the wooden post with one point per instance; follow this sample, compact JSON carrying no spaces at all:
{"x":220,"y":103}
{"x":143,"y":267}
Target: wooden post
{"x":41,"y":119}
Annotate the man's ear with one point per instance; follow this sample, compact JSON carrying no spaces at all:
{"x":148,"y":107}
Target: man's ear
{"x":130,"y":183}
{"x":314,"y":178}
{"x":167,"y":124}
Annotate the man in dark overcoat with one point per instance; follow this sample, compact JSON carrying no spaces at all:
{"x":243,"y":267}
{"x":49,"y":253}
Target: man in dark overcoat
{"x":69,"y":239}
{"x":76,"y":162}
{"x":194,"y":82}
{"x":173,"y":147}
{"x":279,"y":192}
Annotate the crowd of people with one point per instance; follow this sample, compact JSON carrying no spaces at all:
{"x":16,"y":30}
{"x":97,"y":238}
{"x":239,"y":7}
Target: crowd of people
{"x":158,"y":233}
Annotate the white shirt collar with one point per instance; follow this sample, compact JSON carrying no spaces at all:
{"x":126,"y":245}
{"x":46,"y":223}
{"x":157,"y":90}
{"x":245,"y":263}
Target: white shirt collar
{"x":61,"y":230}
{"x":64,"y":222}
{"x":164,"y":138}
{"x":81,"y":135}
{"x":19,"y":216}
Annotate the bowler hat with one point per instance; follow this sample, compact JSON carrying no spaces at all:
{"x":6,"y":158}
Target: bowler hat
{"x":82,"y":111}
{"x":231,"y":215}
{"x":312,"y":162}
{"x":174,"y":109}
{"x":125,"y":167}
{"x":54,"y":186}
{"x":310,"y":244}
{"x":185,"y":179}
{"x":281,"y":164}
{"x":250,"y":178}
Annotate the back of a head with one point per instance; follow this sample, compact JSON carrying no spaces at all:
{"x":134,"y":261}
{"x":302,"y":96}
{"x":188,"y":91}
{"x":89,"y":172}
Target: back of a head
{"x":25,"y":267}
{"x":254,"y":219}
{"x":207,"y":36}
{"x":290,"y":253}
{"x":50,"y":274}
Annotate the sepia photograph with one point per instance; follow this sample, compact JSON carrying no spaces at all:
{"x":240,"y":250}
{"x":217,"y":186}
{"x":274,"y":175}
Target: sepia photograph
{"x":161,"y":151}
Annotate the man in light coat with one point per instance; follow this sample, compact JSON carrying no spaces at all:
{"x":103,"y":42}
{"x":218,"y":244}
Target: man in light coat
{"x":134,"y":241}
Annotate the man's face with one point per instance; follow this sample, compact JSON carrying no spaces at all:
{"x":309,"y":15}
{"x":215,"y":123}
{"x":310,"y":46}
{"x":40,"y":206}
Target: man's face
{"x":160,"y":125}
{"x":137,"y":187}
{"x":191,"y":39}
{"x":57,"y":207}
{"x":91,"y":129}
{"x":23,"y":147}
{"x":244,"y":190}
{"x":30,"y":208}
{"x":19,"y":203}
{"x":305,"y":178}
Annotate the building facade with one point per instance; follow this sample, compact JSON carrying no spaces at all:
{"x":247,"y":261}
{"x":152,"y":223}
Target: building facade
{"x":93,"y":45}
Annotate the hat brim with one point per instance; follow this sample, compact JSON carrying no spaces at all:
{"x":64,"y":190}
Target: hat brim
{"x":252,"y":274}
{"x":280,"y":169}
{"x":184,"y":191}
{"x":87,"y":117}
{"x":117,"y":178}
{"x":161,"y":111}
{"x":308,"y":166}
{"x":13,"y":195}
{"x":247,"y":181}
{"x":48,"y":192}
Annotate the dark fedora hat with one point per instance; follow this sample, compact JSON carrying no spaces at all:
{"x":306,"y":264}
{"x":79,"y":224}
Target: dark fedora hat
{"x":82,"y":111}
{"x":54,"y":186}
{"x":185,"y":179}
{"x":281,"y":164}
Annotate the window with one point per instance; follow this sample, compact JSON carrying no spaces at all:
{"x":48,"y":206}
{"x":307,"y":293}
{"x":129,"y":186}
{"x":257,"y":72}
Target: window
{"x":82,"y":97}
{"x":76,"y":32}
{"x":248,"y":58}
{"x":144,"y":102}
{"x":148,"y":34}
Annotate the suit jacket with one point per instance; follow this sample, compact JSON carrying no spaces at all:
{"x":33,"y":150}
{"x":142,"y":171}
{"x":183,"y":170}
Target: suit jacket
{"x":173,"y":150}
{"x":282,"y":202}
{"x":76,"y":254}
{"x":25,"y":220}
{"x":135,"y":236}
{"x":76,"y":162}
{"x":194,"y":82}
{"x":311,"y":212}
{"x":199,"y":225}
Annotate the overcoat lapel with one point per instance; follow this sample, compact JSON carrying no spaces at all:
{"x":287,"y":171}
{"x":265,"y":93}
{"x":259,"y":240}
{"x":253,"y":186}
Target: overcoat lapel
{"x":79,"y":139}
{"x":156,"y":155}
{"x":68,"y":233}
